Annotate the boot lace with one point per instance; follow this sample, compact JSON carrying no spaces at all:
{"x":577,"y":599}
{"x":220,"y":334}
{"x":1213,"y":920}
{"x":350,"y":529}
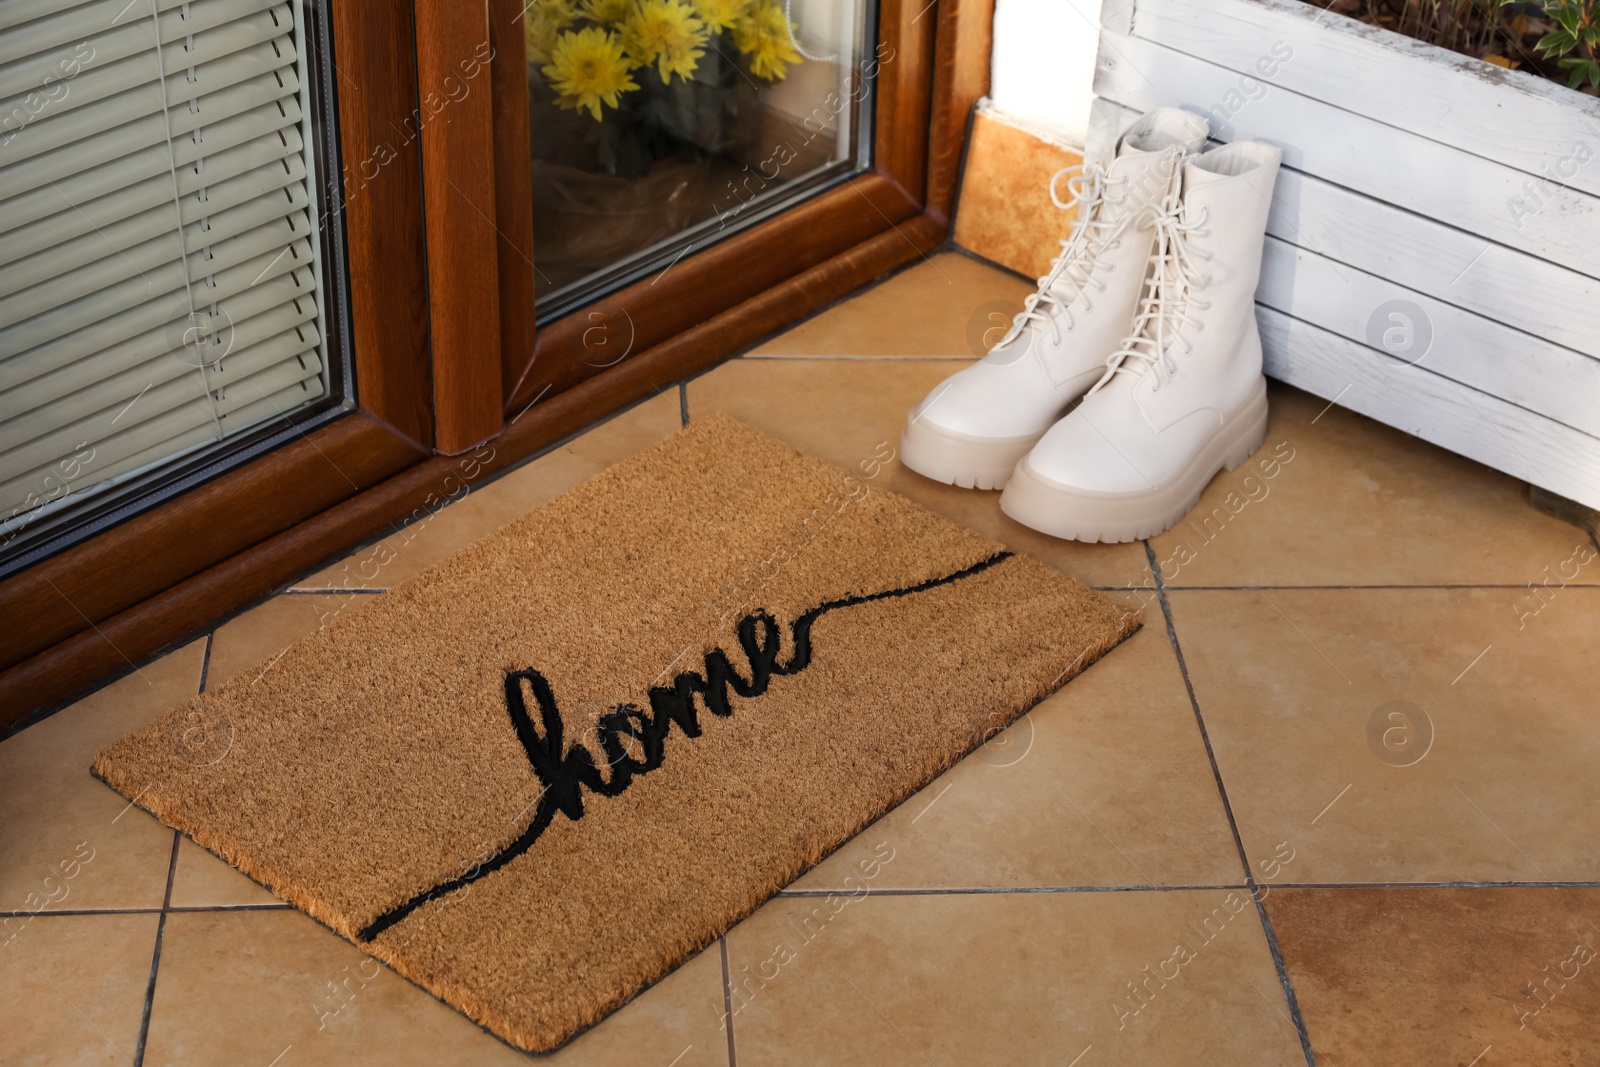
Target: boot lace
{"x":1168,"y":300}
{"x":1074,"y":267}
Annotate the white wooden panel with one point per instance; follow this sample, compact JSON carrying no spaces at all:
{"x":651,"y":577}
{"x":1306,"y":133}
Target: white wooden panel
{"x":1467,"y":348}
{"x":1107,"y":120}
{"x":1455,"y":187}
{"x":1117,"y":15}
{"x":1456,"y":417}
{"x":1456,"y":266}
{"x":1511,"y":117}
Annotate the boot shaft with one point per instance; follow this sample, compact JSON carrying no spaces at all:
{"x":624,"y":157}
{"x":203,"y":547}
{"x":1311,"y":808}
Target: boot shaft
{"x":1227,"y":195}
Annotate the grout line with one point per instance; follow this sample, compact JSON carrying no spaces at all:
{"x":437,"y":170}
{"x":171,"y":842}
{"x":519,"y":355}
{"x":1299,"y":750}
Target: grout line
{"x":1295,"y":1017}
{"x":995,"y":264}
{"x":796,"y":358}
{"x":1004,"y":890}
{"x":1437,"y":885}
{"x":815,"y":313}
{"x":1227,"y":807}
{"x":205,"y":660}
{"x":79,"y":911}
{"x":194,"y":909}
{"x":683,"y":402}
{"x":925,"y":891}
{"x":727,"y":1002}
{"x":1194,"y":704}
{"x":340,"y":590}
{"x":1295,"y":588}
{"x":155,"y":957}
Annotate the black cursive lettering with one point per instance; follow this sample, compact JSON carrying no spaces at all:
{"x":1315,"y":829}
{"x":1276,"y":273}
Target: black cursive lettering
{"x":567,"y":770}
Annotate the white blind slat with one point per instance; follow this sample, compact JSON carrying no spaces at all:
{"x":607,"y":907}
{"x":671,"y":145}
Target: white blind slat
{"x":134,"y":182}
{"x":153,"y":181}
{"x":166,"y":280}
{"x":297,"y":336}
{"x":185,"y":96}
{"x":159,"y":319}
{"x":291,"y":356}
{"x":268,"y":101}
{"x":16,"y":12}
{"x":74,"y":237}
{"x":154,"y":260}
{"x":113,"y":29}
{"x":95,"y":80}
{"x":147,"y":447}
{"x":250,"y":312}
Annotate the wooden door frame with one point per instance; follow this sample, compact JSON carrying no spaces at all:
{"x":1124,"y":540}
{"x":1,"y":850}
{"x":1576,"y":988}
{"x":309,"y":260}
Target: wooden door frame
{"x":441,"y":306}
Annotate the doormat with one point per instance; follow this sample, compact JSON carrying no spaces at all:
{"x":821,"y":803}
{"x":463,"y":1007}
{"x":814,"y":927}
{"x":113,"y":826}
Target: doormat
{"x":540,"y":775}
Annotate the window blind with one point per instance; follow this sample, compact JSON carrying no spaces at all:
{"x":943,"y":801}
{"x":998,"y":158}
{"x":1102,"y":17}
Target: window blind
{"x":159,"y":263}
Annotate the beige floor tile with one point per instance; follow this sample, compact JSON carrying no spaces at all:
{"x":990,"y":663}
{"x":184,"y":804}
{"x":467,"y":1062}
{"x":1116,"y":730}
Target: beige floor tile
{"x":946,"y":306}
{"x":1104,"y":783}
{"x":1487,"y":977}
{"x":851,"y":412}
{"x":74,"y":990}
{"x":484,"y":510}
{"x":677,"y":1022}
{"x":1343,"y":500}
{"x":243,"y":987}
{"x":54,"y":813}
{"x":1484,"y":773}
{"x":204,"y":881}
{"x":1025,"y":978}
{"x":252,"y":642}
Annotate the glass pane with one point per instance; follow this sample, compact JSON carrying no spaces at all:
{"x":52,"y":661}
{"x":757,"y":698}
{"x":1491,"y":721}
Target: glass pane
{"x":660,"y":126}
{"x":163,"y":314}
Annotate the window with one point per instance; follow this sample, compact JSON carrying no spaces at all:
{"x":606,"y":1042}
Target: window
{"x":165,"y":252}
{"x":658,"y":127}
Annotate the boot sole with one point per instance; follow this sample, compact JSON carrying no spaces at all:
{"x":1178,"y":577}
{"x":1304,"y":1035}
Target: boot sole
{"x":1084,"y":515}
{"x":960,"y":460}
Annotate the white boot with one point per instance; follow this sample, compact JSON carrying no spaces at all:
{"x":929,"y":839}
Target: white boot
{"x":1183,"y":397}
{"x":972,"y":429}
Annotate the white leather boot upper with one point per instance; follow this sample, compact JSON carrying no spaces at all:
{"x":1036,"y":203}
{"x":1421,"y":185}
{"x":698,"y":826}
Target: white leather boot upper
{"x":1191,"y":367}
{"x":1057,"y":346}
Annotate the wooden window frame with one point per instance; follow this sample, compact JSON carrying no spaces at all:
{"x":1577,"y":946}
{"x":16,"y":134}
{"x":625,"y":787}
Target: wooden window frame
{"x":446,"y":350}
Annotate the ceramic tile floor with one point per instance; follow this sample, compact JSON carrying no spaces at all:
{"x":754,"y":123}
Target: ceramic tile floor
{"x":1345,"y":699}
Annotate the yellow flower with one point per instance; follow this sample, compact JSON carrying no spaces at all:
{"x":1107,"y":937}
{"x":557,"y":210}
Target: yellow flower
{"x":666,"y":33}
{"x":561,"y":13}
{"x":540,"y":32}
{"x":765,"y":36}
{"x":611,"y":12}
{"x":544,"y":19}
{"x":587,"y":68}
{"x":721,"y":14}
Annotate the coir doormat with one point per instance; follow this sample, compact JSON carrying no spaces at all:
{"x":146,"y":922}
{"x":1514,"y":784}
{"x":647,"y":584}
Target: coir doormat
{"x":540,"y":775}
